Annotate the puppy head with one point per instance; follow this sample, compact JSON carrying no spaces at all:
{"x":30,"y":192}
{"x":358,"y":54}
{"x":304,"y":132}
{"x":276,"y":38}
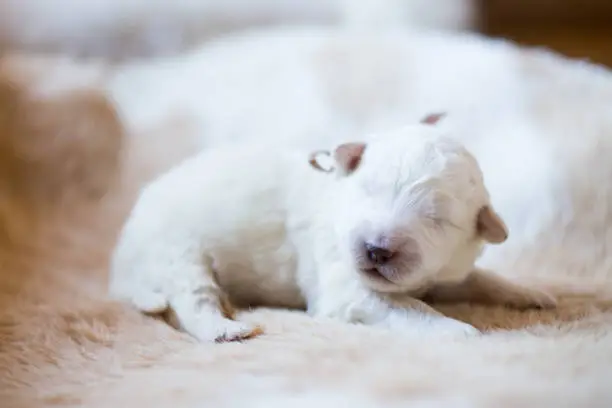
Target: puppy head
{"x":411,"y":209}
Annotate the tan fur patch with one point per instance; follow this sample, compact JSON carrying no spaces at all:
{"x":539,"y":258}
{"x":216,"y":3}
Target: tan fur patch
{"x":54,"y":150}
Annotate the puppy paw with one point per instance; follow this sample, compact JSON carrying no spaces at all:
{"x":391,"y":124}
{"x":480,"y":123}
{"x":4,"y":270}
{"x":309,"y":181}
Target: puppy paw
{"x":238,"y":332}
{"x":226,"y":331}
{"x":527,"y":298}
{"x":150,"y":302}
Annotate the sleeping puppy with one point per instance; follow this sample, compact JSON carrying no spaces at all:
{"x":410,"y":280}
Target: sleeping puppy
{"x":396,"y":219}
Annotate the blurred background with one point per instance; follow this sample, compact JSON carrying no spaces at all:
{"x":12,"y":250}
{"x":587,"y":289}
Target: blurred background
{"x":122,"y":29}
{"x":576,"y":28}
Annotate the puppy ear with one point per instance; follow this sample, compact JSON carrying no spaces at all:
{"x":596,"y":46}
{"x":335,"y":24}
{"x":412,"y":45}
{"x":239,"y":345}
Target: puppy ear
{"x":348,"y":156}
{"x":433,"y":118}
{"x":314,"y":162}
{"x":490,"y":226}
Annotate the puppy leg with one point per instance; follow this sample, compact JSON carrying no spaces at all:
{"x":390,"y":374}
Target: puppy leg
{"x":202,"y":310}
{"x":483,"y":286}
{"x":413,"y":314}
{"x":341,"y":296}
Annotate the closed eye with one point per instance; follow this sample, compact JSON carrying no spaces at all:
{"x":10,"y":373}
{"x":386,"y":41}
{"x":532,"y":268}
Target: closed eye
{"x":440,"y":222}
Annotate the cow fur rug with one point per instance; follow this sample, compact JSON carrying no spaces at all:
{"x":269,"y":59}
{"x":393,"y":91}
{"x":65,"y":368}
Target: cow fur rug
{"x":77,"y":140}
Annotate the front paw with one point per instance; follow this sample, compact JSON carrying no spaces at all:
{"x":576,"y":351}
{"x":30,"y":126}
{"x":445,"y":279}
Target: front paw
{"x":527,"y":298}
{"x":226,"y":331}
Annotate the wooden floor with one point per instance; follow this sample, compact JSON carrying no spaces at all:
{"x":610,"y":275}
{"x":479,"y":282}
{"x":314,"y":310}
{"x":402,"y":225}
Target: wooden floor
{"x":594,"y":44}
{"x":576,"y":28}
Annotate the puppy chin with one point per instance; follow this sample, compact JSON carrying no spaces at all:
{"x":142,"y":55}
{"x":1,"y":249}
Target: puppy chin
{"x":414,"y":283}
{"x":378,"y":282}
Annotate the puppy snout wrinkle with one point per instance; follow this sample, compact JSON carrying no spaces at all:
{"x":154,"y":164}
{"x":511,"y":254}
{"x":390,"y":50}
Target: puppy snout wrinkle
{"x":379,"y":255}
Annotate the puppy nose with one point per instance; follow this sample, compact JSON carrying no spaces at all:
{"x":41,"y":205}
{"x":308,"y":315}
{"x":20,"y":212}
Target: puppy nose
{"x":378,"y":255}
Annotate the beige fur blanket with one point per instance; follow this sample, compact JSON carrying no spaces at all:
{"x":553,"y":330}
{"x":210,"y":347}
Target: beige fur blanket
{"x":69,"y":169}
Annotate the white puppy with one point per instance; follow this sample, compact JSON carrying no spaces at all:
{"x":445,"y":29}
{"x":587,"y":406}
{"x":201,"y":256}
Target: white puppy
{"x":402,"y":217}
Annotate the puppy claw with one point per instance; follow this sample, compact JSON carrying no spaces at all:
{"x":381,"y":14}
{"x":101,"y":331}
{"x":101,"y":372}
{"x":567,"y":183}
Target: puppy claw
{"x":236,"y":331}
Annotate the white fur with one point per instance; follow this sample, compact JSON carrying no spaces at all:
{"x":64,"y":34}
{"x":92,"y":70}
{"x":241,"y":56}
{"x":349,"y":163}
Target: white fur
{"x":267,"y":228}
{"x":262,"y":226}
{"x":309,"y":87}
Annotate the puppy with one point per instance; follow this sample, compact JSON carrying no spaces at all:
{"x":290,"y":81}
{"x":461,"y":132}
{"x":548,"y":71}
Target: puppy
{"x":396,"y":219}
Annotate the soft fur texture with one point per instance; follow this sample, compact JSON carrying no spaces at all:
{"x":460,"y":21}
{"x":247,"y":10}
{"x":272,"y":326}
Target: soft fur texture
{"x":124,"y":29}
{"x":406,"y":216}
{"x":538,"y":124}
